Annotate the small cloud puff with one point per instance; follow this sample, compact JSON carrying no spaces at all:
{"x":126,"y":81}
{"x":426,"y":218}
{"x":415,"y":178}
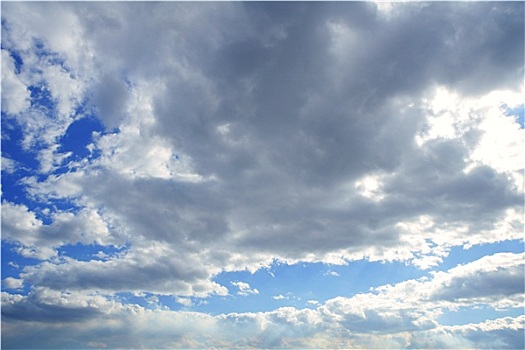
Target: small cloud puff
{"x":244,"y":288}
{"x":331,"y":273}
{"x":184,"y":301}
{"x":12,"y":283}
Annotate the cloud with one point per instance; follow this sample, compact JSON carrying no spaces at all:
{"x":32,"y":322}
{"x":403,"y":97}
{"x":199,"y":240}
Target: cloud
{"x":331,"y":273}
{"x":244,"y":288}
{"x":284,"y":170}
{"x":13,"y":264}
{"x":403,"y":314}
{"x":12,"y":283}
{"x":242,"y":134}
{"x":184,"y":301}
{"x":497,"y":276}
{"x":316,"y":156}
{"x":156,"y":269}
{"x":502,"y":333}
{"x":22,"y":226}
{"x":15,"y":96}
{"x":9,"y":166}
{"x":247,"y":163}
{"x":110,"y":98}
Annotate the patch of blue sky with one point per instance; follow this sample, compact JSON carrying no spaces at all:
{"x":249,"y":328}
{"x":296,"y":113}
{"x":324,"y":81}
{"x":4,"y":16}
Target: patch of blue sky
{"x":4,"y":26}
{"x":40,"y":95}
{"x":76,"y":139}
{"x":518,"y":113}
{"x":12,"y":135}
{"x":149,"y":300}
{"x":43,"y":210}
{"x":475,"y":314}
{"x":302,"y":285}
{"x":58,"y":205}
{"x":79,"y":135}
{"x":233,"y":303}
{"x":458,"y":255}
{"x":17,"y":59}
{"x":23,"y":290}
{"x":51,"y":57}
{"x":12,"y":189}
{"x":15,"y":191}
{"x":171,"y":302}
{"x":88,"y":252}
{"x":130,"y":298}
{"x":12,"y":262}
{"x":41,"y":98}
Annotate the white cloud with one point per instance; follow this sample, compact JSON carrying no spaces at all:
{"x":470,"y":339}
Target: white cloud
{"x":50,"y":159}
{"x":135,"y":152}
{"x":65,"y":89}
{"x":38,"y":240}
{"x":369,"y":187}
{"x":12,"y":283}
{"x":481,"y":122}
{"x":402,"y":315}
{"x":15,"y":95}
{"x":18,"y":223}
{"x":502,"y":333}
{"x":244,"y":288}
{"x":13,"y":264}
{"x":331,"y":273}
{"x":495,"y":280}
{"x":9,"y":166}
{"x":157,"y":269}
{"x":57,"y":91}
{"x":184,"y":301}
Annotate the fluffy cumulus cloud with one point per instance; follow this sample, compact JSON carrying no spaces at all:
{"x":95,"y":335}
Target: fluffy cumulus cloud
{"x":401,"y":315}
{"x":230,"y":136}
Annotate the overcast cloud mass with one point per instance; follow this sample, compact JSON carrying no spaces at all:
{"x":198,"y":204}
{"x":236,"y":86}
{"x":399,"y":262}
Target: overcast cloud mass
{"x":210,"y":174}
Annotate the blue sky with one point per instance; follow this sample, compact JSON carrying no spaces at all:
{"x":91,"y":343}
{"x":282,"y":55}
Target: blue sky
{"x":269,"y":175}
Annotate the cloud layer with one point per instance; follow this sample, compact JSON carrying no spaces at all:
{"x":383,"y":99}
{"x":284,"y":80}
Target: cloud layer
{"x":238,"y":134}
{"x":401,"y":315}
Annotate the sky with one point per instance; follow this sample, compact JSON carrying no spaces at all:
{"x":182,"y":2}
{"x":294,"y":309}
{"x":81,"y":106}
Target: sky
{"x":262,"y":175}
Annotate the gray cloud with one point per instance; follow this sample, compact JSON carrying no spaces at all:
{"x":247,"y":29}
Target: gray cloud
{"x":282,"y":117}
{"x":493,"y":283}
{"x":504,"y":333}
{"x":249,"y":132}
{"x":487,"y":278}
{"x":109,"y":98}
